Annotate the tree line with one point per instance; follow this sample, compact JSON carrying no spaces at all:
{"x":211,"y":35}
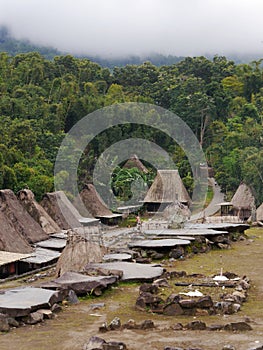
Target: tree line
{"x":42,"y":99}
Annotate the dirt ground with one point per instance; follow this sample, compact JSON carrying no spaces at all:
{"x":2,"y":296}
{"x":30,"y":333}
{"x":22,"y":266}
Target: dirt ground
{"x":77,"y":323}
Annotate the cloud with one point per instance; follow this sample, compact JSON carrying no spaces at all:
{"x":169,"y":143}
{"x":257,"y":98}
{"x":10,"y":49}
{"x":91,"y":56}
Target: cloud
{"x":123,"y":27}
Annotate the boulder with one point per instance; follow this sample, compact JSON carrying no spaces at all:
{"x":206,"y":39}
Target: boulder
{"x":147,"y":324}
{"x":187,"y":303}
{"x":177,"y":327}
{"x":94,"y":343}
{"x":34,"y":318}
{"x":115,"y":324}
{"x":47,"y":314}
{"x":161,"y":282}
{"x":173,"y":309}
{"x":176,"y":253}
{"x":205,"y":302}
{"x":228,"y":347}
{"x":150,"y":288}
{"x":238,"y":326}
{"x":196,"y":325}
{"x":130,"y":324}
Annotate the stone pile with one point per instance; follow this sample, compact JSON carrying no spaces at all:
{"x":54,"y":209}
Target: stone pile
{"x":115,"y":324}
{"x":192,"y":304}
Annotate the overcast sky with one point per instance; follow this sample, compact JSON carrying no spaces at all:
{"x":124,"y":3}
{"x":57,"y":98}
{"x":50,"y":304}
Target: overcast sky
{"x":122,"y":27}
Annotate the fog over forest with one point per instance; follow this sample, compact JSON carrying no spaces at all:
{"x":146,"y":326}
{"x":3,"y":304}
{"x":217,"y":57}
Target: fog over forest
{"x":140,"y":27}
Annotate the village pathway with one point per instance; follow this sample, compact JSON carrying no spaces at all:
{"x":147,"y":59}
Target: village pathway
{"x":213,"y":207}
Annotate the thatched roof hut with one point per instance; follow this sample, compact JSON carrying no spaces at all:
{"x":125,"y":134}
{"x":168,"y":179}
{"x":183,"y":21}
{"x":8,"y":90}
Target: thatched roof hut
{"x":260,"y":213}
{"x":243,"y":201}
{"x":79,"y":252}
{"x":134,"y":162}
{"x":26,"y":198}
{"x":10,"y":239}
{"x":61,"y":210}
{"x":243,"y":197}
{"x":89,"y":202}
{"x":167,"y":188}
{"x":18,"y":218}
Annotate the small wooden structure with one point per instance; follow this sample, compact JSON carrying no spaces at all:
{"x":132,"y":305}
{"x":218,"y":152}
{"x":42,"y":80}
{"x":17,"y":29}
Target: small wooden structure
{"x":9,"y":263}
{"x":134,"y":162}
{"x":167,"y":188}
{"x":243,"y":202}
{"x":89,"y":202}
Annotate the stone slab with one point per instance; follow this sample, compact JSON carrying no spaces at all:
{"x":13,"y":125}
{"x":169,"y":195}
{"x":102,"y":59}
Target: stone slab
{"x":53,"y":243}
{"x":22,"y":301}
{"x":118,"y":257}
{"x":133,"y":271}
{"x":192,"y":232}
{"x":159,"y":243}
{"x":81,"y":284}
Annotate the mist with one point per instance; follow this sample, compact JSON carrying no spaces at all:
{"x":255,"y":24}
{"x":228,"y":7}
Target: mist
{"x":114,"y":28}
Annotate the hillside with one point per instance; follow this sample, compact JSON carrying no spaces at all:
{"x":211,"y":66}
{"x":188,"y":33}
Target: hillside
{"x":42,"y":99}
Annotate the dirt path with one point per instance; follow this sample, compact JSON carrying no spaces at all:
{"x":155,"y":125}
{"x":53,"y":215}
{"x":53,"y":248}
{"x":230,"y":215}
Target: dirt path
{"x":76,"y":324}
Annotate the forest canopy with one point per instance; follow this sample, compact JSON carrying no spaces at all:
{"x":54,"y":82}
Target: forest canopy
{"x":41,"y":99}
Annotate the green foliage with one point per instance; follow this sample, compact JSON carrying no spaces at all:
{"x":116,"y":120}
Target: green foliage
{"x":42,"y":99}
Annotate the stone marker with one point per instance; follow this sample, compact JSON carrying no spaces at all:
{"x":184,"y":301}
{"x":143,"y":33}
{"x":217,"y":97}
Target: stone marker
{"x":81,"y":284}
{"x":22,"y":301}
{"x":159,"y":243}
{"x":132,"y":271}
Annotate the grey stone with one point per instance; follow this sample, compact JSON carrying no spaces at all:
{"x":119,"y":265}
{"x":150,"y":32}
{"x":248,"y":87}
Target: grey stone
{"x":21,"y":302}
{"x":114,"y":346}
{"x":72,"y":297}
{"x":238,"y":326}
{"x":161,"y":282}
{"x":12,"y":322}
{"x":172,"y":348}
{"x":47,"y":314}
{"x":115,"y":324}
{"x":34,"y":318}
{"x":94,"y":343}
{"x":176,"y":253}
{"x":56,"y":308}
{"x":216,"y":327}
{"x":131,"y":324}
{"x":196,"y":325}
{"x":4,"y":326}
{"x":133,"y":271}
{"x":147,"y":324}
{"x":82,"y":284}
{"x":172,"y":309}
{"x":187,"y":303}
{"x":177,"y":327}
{"x":150,"y":288}
{"x":205,"y":302}
{"x":159,"y":243}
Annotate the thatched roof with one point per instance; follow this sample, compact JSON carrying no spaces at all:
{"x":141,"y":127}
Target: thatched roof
{"x":10,"y":239}
{"x":26,"y":198}
{"x":90,"y":202}
{"x":167,"y":188}
{"x":78,"y":252}
{"x":8,"y":257}
{"x":260,"y":213}
{"x":15,"y":215}
{"x":134,"y":162}
{"x":66,"y":218}
{"x":243,"y":198}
